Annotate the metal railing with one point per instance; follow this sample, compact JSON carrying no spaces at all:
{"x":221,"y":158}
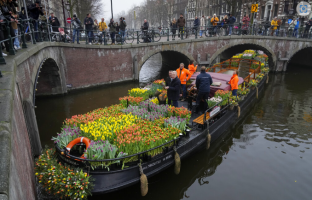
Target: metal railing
{"x":131,"y":36}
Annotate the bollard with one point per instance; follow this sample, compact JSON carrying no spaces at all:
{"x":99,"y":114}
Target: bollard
{"x":105,"y":41}
{"x":168,"y":34}
{"x":152,"y":35}
{"x":40,"y":34}
{"x":137,"y":37}
{"x":86,"y":37}
{"x":196,"y":33}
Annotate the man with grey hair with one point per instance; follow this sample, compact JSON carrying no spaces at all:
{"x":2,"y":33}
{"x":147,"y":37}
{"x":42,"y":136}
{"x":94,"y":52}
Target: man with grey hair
{"x":173,"y":89}
{"x":184,"y":75}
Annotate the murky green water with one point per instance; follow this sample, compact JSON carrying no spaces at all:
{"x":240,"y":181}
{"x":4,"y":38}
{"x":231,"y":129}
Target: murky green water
{"x":266,"y":156}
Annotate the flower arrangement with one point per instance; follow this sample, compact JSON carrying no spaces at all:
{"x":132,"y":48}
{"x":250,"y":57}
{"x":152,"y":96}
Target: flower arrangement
{"x":260,"y":76}
{"x":160,"y":82}
{"x":138,"y":92}
{"x":179,"y":112}
{"x":233,"y":101}
{"x":265,"y":70}
{"x":163,"y":95}
{"x":253,"y":83}
{"x":224,"y":95}
{"x":67,"y":135}
{"x":61,"y":181}
{"x":213,"y":101}
{"x":176,"y":122}
{"x":134,"y":101}
{"x":243,"y":90}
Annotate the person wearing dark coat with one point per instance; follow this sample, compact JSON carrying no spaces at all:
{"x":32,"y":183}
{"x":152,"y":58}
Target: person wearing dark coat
{"x":173,"y":90}
{"x":34,"y":12}
{"x":196,"y":24}
{"x":7,"y":14}
{"x":203,"y":82}
{"x":88,"y":22}
{"x":168,"y":79}
{"x":54,"y":23}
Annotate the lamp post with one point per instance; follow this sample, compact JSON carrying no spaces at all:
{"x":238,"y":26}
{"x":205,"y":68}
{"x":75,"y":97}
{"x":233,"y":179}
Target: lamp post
{"x":112,"y":9}
{"x":64,"y":13}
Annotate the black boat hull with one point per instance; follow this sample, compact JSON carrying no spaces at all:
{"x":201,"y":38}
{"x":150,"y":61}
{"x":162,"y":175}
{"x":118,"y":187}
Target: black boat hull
{"x":109,"y":181}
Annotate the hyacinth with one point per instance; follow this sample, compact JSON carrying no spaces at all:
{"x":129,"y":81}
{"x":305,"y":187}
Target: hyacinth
{"x":176,"y":122}
{"x":66,"y":136}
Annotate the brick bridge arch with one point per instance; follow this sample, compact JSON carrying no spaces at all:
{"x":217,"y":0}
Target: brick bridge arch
{"x":248,"y":42}
{"x":153,"y":52}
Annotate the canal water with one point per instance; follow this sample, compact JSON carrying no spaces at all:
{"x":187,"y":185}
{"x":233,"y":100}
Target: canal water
{"x":267,"y":155}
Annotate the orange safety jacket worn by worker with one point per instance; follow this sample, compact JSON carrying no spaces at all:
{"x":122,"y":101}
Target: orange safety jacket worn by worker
{"x":192,"y":68}
{"x":234,"y":82}
{"x":184,"y":75}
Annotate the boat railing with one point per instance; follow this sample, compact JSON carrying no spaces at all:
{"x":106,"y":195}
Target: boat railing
{"x":87,"y":162}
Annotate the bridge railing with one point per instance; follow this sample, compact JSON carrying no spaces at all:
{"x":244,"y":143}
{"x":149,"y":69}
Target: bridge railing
{"x":34,"y":31}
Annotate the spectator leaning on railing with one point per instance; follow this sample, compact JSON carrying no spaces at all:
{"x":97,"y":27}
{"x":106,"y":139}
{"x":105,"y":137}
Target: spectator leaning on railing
{"x":174,"y":27}
{"x":274,"y":25}
{"x":245,"y":26}
{"x":196,"y":24}
{"x":88,"y":22}
{"x":15,"y":28}
{"x":214,"y":21}
{"x":307,"y":28}
{"x":3,"y":27}
{"x":292,"y":26}
{"x":34,"y":11}
{"x":7,"y":13}
{"x":54,"y":23}
{"x":122,"y":26}
{"x":181,"y":24}
{"x":231,"y":22}
{"x":76,"y":23}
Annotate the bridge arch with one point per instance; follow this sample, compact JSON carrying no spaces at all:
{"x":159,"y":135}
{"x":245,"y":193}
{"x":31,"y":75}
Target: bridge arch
{"x":248,"y":44}
{"x":151,"y":53}
{"x":301,"y":56}
{"x":48,"y":79}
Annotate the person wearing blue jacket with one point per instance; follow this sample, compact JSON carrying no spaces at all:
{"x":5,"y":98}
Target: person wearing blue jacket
{"x":203,"y":82}
{"x":196,"y":24}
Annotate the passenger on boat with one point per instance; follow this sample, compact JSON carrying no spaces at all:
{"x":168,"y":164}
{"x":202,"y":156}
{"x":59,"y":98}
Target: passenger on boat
{"x":184,"y":75}
{"x":203,"y":82}
{"x":234,"y":83}
{"x":168,"y":79}
{"x":173,"y":90}
{"x":191,"y":67}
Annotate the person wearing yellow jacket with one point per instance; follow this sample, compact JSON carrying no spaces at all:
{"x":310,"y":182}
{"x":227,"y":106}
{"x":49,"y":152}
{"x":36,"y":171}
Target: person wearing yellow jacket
{"x":274,"y":25}
{"x":102,"y":28}
{"x":214,"y":20}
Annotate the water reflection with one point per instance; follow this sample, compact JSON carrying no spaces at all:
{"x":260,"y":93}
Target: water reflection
{"x":151,"y":69}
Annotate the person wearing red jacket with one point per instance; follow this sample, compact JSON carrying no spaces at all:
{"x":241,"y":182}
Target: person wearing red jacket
{"x":234,"y":83}
{"x":184,"y":75}
{"x":192,"y":68}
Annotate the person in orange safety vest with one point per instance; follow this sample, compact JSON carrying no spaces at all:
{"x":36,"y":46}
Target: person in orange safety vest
{"x":234,"y":83}
{"x":191,"y":67}
{"x":184,"y":75}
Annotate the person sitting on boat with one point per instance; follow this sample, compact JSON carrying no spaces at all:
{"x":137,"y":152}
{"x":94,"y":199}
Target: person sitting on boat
{"x":203,"y":82}
{"x":234,"y":83}
{"x":173,"y":90}
{"x":191,"y":67}
{"x":184,"y":75}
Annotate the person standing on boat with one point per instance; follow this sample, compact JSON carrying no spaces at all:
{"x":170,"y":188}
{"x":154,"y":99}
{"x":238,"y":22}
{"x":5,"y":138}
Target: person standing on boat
{"x":192,"y":68}
{"x":203,"y":82}
{"x":234,"y":83}
{"x":184,"y":75}
{"x":173,"y":90}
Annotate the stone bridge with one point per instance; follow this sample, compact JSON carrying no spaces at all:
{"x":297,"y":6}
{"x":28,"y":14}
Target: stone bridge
{"x":54,"y":68}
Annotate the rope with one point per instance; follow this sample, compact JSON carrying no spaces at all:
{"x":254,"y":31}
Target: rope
{"x":177,"y":161}
{"x":267,"y":80}
{"x":143,"y":180}
{"x":208,"y":141}
{"x":239,"y":111}
{"x":140,"y":168}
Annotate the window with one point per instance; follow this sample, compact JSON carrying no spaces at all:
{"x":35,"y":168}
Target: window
{"x":262,"y":11}
{"x":275,"y":10}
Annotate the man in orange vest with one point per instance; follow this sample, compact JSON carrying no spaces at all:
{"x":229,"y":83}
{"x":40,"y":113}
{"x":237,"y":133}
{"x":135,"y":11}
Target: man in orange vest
{"x":234,"y":83}
{"x":184,"y":75}
{"x":191,"y":67}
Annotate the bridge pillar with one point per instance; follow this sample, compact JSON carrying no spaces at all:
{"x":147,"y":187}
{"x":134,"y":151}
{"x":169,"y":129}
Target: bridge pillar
{"x":136,"y":69}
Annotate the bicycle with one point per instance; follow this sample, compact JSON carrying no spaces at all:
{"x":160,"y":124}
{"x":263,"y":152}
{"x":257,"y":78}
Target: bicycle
{"x":148,"y":36}
{"x":128,"y":39}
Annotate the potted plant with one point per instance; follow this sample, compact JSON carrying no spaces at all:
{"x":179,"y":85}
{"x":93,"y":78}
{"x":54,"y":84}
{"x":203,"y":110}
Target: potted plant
{"x":252,"y":84}
{"x":233,"y":102}
{"x":260,"y":76}
{"x":265,"y":70}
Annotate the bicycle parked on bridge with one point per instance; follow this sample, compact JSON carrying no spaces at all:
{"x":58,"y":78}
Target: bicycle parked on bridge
{"x":147,"y":36}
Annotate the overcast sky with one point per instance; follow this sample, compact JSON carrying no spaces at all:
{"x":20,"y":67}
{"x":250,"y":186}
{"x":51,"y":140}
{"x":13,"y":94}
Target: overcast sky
{"x":118,"y":6}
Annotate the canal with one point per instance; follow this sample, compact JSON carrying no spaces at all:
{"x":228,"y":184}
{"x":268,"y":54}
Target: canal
{"x":267,"y":155}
